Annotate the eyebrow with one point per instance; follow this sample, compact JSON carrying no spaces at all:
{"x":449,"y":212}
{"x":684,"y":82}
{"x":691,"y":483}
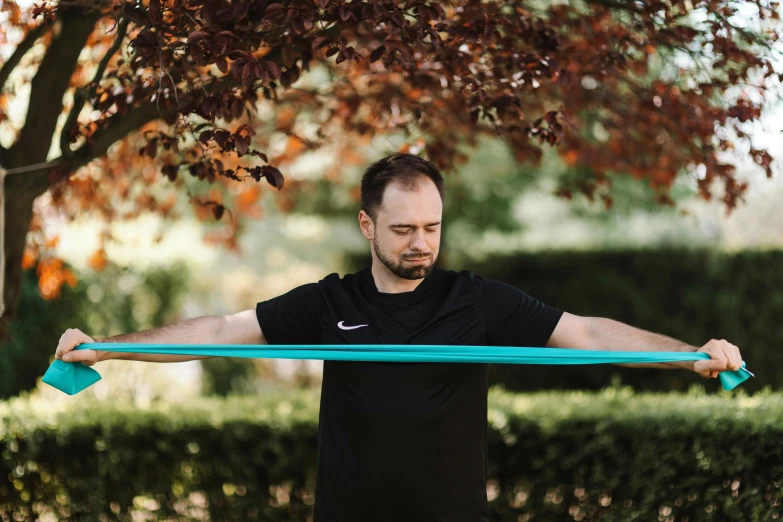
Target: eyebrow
{"x":400,"y":225}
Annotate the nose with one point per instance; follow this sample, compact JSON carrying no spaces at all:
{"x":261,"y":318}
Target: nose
{"x":418,"y":243}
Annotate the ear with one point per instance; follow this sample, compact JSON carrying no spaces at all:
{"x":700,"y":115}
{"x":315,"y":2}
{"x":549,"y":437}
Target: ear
{"x":366,"y":225}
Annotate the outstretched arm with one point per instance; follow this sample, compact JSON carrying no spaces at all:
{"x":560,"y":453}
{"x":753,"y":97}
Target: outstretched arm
{"x":598,"y":333}
{"x":238,"y":328}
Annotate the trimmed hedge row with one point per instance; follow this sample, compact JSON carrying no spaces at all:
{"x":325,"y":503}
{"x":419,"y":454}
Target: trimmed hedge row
{"x":612,"y":456}
{"x":691,"y":295}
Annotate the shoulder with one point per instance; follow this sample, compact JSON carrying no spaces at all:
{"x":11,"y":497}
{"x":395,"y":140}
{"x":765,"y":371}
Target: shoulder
{"x":335,"y":286}
{"x":334,"y":279}
{"x":470,"y":278}
{"x":489,"y":289}
{"x":462,"y":276}
{"x":462,"y":281}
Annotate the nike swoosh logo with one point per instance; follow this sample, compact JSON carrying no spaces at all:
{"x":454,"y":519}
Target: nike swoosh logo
{"x":340,"y":325}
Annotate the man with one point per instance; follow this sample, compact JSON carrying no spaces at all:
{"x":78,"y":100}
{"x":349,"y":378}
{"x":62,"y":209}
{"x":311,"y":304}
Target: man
{"x":406,"y":441}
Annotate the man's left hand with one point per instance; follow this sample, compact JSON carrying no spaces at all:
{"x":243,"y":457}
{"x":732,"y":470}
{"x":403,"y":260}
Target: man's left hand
{"x":723,"y":356}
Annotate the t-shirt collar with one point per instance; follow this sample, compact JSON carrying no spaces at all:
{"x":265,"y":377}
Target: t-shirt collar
{"x":368,"y":282}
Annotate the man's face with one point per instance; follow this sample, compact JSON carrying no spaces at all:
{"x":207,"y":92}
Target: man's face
{"x":406,"y":232}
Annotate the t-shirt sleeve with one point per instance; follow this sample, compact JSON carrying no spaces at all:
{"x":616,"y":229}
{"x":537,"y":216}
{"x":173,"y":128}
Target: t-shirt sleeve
{"x":293,"y":317}
{"x":513,"y":317}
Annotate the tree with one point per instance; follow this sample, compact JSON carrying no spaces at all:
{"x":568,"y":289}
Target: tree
{"x":649,"y":88}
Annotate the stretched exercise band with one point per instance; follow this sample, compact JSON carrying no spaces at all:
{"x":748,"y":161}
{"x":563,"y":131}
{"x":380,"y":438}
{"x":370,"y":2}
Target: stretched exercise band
{"x":73,"y":377}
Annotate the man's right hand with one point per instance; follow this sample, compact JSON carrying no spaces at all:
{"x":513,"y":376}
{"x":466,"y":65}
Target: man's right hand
{"x":69,"y":340}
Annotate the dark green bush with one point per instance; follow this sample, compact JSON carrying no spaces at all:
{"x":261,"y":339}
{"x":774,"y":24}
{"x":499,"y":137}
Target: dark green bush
{"x":611,"y":456}
{"x":226,"y":375}
{"x":691,"y":295}
{"x":35,"y":332}
{"x":102,"y":304}
{"x":110,"y":302}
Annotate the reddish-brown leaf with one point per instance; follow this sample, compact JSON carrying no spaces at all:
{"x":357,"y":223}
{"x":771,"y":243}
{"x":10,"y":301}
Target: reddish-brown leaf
{"x":242,"y":144}
{"x":273,"y":69}
{"x":240,"y":11}
{"x":273,"y":176}
{"x":152,"y":147}
{"x":197,"y":35}
{"x":377,"y":53}
{"x":260,"y":155}
{"x":205,"y":136}
{"x":170,"y":171}
{"x":221,"y":137}
{"x":322,"y":41}
{"x":289,"y":56}
{"x":248,"y":74}
{"x":154,"y":11}
{"x":217,"y":211}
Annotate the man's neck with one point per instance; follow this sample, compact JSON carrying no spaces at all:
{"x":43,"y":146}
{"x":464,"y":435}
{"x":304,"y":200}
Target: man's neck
{"x":388,"y":283}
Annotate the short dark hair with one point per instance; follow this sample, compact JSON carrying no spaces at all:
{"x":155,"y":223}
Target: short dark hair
{"x":405,"y":169}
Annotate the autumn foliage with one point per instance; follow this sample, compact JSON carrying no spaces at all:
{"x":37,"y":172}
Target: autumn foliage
{"x":233,"y":91}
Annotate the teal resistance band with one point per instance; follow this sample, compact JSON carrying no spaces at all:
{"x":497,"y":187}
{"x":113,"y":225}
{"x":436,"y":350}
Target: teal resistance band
{"x":74,"y":377}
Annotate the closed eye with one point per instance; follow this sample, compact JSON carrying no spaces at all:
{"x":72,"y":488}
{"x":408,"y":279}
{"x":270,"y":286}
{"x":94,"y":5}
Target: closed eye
{"x":405,"y":232}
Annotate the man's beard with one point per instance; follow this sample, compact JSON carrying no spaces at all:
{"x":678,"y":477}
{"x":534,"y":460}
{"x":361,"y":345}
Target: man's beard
{"x":405,"y":272}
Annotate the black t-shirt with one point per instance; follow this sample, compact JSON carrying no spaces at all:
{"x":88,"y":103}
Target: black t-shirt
{"x":404,"y":441}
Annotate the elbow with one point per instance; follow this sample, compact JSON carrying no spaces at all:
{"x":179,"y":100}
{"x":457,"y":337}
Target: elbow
{"x":239,"y":328}
{"x":573,"y":331}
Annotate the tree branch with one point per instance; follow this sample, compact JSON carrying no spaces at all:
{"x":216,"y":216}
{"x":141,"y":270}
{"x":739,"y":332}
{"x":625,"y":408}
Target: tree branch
{"x":620,"y":5}
{"x":749,"y":35}
{"x":117,"y":127}
{"x":630,"y":6}
{"x":8,"y":67}
{"x":120,"y":125}
{"x":49,"y":85}
{"x":82,"y":94}
{"x":27,"y":42}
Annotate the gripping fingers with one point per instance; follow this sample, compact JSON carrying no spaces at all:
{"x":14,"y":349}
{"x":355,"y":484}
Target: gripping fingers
{"x":723,"y":356}
{"x":708,"y":367}
{"x":70,"y":340}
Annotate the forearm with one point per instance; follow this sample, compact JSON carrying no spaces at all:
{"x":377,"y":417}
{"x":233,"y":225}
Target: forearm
{"x":607,"y":334}
{"x":199,"y":330}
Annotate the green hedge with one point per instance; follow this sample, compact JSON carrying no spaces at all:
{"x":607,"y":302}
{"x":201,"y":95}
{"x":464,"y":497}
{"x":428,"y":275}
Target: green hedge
{"x":691,"y":295}
{"x":613,"y":456}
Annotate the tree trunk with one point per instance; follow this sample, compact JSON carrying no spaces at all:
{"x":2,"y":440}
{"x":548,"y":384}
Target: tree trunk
{"x":2,"y":243}
{"x":17,"y":194}
{"x":19,"y":189}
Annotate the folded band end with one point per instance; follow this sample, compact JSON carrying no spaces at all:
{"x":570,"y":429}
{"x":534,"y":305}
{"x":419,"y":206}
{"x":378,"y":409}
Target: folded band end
{"x":731,"y":380}
{"x":70,"y":378}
